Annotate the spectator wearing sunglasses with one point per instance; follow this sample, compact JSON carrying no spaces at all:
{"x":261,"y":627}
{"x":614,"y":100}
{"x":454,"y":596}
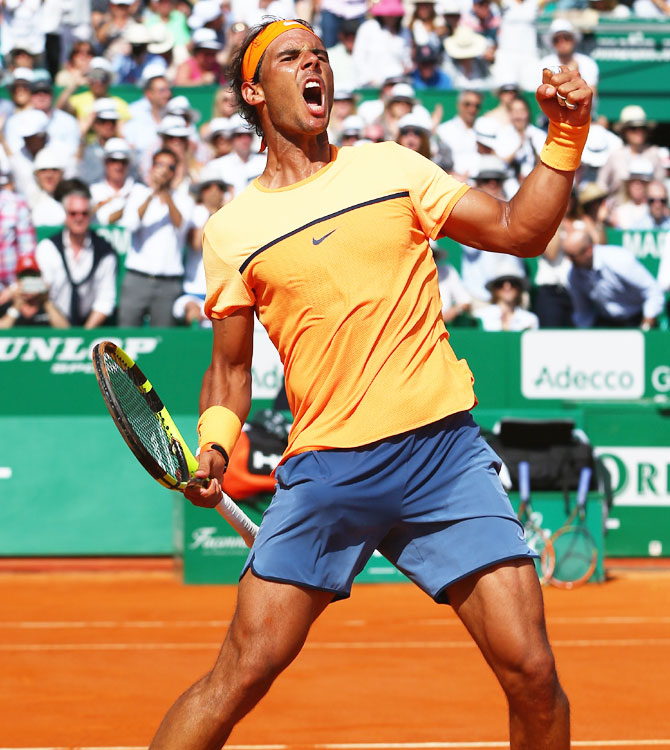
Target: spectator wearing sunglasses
{"x":159,"y":218}
{"x":562,"y":39}
{"x":79,"y":266}
{"x":657,"y":215}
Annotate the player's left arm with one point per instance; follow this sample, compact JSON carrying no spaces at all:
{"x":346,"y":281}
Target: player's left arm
{"x":524,"y":225}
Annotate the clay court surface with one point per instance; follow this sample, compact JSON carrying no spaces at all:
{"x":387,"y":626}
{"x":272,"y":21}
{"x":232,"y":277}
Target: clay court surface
{"x":93,"y":660}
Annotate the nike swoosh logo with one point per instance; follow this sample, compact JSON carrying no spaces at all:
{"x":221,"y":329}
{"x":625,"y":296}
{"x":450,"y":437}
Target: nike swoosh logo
{"x":321,"y":239}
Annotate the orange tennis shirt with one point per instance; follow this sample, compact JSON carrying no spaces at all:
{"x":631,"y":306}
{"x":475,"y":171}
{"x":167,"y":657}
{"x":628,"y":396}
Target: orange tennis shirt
{"x":340,"y":273}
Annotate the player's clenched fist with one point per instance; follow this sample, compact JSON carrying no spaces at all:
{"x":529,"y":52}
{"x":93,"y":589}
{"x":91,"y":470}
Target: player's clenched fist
{"x":564,"y":96}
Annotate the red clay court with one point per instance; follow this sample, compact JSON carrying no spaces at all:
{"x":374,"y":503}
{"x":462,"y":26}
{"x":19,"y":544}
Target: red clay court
{"x":93,"y":659}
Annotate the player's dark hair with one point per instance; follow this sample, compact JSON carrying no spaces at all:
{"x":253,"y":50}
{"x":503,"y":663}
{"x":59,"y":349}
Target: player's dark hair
{"x":248,"y":112}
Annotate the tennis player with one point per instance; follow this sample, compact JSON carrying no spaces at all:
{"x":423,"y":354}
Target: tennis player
{"x":330,"y":248}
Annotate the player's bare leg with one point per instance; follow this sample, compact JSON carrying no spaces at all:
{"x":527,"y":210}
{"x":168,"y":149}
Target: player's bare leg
{"x":503,"y":610}
{"x":268,"y":630}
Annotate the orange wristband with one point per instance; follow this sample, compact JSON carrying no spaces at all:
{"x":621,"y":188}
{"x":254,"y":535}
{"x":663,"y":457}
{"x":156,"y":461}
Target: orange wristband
{"x":219,"y":425}
{"x":564,"y":145}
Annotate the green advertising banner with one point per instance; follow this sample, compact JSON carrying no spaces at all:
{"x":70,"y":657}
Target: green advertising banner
{"x":70,"y":486}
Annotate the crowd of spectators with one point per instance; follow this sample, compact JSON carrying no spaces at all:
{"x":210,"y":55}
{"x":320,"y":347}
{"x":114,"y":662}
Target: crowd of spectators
{"x":76,"y":153}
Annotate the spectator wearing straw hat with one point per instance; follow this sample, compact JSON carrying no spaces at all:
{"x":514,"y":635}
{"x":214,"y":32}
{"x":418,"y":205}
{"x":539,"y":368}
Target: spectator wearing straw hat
{"x":633,"y":127}
{"x":110,"y":195}
{"x":202,"y":67}
{"x":631,"y":205}
{"x":383,"y":46}
{"x":466,"y":62}
{"x":563,"y":39}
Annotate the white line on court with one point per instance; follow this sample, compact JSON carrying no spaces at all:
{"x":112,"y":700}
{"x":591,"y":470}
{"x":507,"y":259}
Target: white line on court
{"x":586,"y":744}
{"x":325,"y":646}
{"x":160,"y":624}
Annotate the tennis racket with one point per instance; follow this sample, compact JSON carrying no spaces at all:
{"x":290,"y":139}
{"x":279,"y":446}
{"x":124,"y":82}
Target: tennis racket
{"x":537,"y":538}
{"x":575,"y":548}
{"x":150,"y":431}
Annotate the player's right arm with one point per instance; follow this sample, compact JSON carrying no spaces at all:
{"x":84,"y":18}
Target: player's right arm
{"x":227,"y":383}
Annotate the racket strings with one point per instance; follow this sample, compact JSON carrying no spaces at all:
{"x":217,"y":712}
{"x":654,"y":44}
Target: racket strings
{"x":143,"y":420}
{"x":576,"y":555}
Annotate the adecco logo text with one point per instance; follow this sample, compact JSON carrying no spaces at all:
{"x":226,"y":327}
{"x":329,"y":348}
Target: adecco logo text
{"x":67,"y":354}
{"x":582,"y":364}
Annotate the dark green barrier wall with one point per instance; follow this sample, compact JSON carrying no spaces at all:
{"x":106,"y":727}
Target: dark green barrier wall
{"x":69,"y":485}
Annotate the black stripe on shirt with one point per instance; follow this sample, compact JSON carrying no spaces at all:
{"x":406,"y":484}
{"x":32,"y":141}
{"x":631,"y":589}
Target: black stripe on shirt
{"x":403,"y":194}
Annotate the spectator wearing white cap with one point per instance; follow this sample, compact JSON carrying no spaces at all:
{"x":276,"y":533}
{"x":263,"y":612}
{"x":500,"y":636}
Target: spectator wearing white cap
{"x":505,"y":312}
{"x":211,"y":193}
{"x":18,"y":84}
{"x":344,"y":104}
{"x":141,"y":131}
{"x":414,"y":132}
{"x":563,"y":39}
{"x":98,"y":80}
{"x":352,"y":130}
{"x":159,"y":218}
{"x":224,"y":105}
{"x":242,"y":165}
{"x":631,"y":205}
{"x":383,"y":46}
{"x":48,"y":168}
{"x":458,"y":133}
{"x":633,"y":127}
{"x":62,"y":128}
{"x":219,"y":137}
{"x":202,"y":67}
{"x":101,"y":125}
{"x":657,"y":216}
{"x":400,"y":101}
{"x":30,"y":126}
{"x":208,"y":14}
{"x":478,"y":267}
{"x":466,"y":63}
{"x":109,"y":195}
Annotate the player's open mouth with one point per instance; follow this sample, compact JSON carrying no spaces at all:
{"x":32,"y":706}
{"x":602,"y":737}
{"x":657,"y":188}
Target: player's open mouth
{"x":313,"y":96}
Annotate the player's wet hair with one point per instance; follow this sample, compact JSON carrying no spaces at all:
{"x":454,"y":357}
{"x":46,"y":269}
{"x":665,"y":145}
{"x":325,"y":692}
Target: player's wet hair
{"x":248,"y":112}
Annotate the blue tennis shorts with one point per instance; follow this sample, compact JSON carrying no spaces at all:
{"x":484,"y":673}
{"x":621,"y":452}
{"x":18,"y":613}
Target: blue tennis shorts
{"x":429,"y":500}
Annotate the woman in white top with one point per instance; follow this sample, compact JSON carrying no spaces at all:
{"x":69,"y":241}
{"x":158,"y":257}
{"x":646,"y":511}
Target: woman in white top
{"x":505,"y":312}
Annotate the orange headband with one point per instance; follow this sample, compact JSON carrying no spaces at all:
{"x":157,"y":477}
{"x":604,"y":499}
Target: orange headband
{"x":262,"y":41}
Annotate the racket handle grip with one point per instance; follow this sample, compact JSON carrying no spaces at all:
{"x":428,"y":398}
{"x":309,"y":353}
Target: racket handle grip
{"x":238,"y":519}
{"x":583,"y":486}
{"x":524,"y":480}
